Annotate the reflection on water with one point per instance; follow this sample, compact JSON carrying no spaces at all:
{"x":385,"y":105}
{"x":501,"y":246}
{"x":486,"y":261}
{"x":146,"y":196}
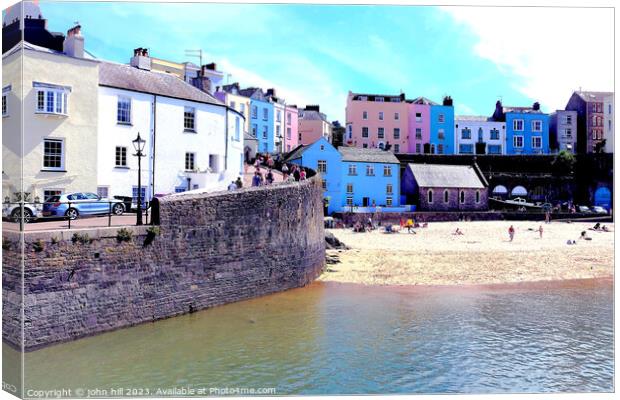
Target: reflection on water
{"x":331,"y":338}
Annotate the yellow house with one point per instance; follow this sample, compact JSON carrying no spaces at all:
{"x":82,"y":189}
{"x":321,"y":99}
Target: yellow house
{"x":55,"y":150}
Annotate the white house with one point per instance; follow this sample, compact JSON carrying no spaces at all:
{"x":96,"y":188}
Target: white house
{"x":469,"y":130}
{"x":193,"y":141}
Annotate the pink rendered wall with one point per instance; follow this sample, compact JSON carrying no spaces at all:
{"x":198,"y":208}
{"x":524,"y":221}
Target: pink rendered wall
{"x":310,"y":130}
{"x":292,"y":123}
{"x":354,"y":114}
{"x":425,"y":125}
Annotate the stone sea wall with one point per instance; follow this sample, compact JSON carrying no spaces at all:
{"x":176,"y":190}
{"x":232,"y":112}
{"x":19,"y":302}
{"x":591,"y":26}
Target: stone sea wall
{"x":211,"y":249}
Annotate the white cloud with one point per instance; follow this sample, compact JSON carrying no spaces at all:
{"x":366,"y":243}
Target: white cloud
{"x":548,"y":51}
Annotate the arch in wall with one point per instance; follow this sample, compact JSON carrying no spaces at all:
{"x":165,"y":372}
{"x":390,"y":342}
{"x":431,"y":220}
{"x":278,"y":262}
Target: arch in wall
{"x":602,"y":197}
{"x":500,"y":190}
{"x":519,"y":191}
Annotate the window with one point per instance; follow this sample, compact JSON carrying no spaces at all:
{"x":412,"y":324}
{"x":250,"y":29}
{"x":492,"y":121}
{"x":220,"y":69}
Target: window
{"x":232,"y":104}
{"x":102,"y":191}
{"x":517,"y":141}
{"x":465,"y":133}
{"x":264,"y":132}
{"x":477,"y":196}
{"x":178,"y":189}
{"x":288,"y":132}
{"x":396,"y":133}
{"x":370,"y":170}
{"x":265,"y":148}
{"x":494,"y":134}
{"x":242,"y":108}
{"x":517,"y":125}
{"x":430,"y":196}
{"x":190,"y":159}
{"x":379,"y":99}
{"x":609,"y":124}
{"x":418,"y":117}
{"x":363,"y":98}
{"x":568,"y":132}
{"x":53,"y":154}
{"x":380,"y":133}
{"x":480,"y":134}
{"x":396,"y":148}
{"x":134,"y":194}
{"x":387,"y":170}
{"x":418,"y":133}
{"x":609,"y":108}
{"x":279,"y":116}
{"x":440,"y":134}
{"x":254,"y":112}
{"x":237,"y":129}
{"x":536,"y":142}
{"x":265,"y":114}
{"x":214,"y":163}
{"x":364,"y":114}
{"x":440,"y":148}
{"x":389,"y":189}
{"x":388,"y":201}
{"x":441,"y":118}
{"x":288,"y":118}
{"x":462,"y":197}
{"x":494,"y":149}
{"x":446,"y":196}
{"x":365,"y":146}
{"x":47,"y":193}
{"x":364,"y":131}
{"x":466,"y":149}
{"x":120,"y":156}
{"x":418,"y":148}
{"x":322,"y":147}
{"x":569,"y":119}
{"x":51,"y":100}
{"x":380,"y":115}
{"x":350,"y":201}
{"x":322,"y":166}
{"x":536,"y":125}
{"x":397,"y":116}
{"x":350,"y":188}
{"x":352,"y":169}
{"x":324,"y":184}
{"x":278,"y":131}
{"x":254,"y":129}
{"x":4,"y":112}
{"x":123,"y":110}
{"x":189,"y":119}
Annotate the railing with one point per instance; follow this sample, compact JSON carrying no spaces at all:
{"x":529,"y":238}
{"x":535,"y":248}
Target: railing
{"x":82,"y":213}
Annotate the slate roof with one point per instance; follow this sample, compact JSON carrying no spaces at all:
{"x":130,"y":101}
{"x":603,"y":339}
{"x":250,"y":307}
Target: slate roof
{"x":312,"y":115}
{"x":297,"y":152}
{"x":124,"y":76}
{"x":448,"y":176}
{"x":422,"y":100}
{"x":594,"y":96}
{"x":367,"y":155}
{"x":131,"y":78}
{"x":474,"y":118}
{"x":249,"y":136}
{"x":523,"y":110}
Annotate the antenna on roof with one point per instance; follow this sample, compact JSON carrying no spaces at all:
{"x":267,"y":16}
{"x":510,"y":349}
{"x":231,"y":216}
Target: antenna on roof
{"x":194,"y":53}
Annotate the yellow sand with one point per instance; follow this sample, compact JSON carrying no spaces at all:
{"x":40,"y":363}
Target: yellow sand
{"x":483,"y":255}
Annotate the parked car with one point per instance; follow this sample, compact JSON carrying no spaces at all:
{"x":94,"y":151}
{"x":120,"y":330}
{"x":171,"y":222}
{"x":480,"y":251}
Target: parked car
{"x":584,"y":209}
{"x":13,"y":211}
{"x":598,"y":210}
{"x":72,"y":205}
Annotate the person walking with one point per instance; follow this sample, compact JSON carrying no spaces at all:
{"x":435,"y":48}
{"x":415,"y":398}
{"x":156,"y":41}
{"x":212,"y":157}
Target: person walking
{"x":256,"y":180}
{"x":296,"y":174}
{"x":511,"y":232}
{"x":269,"y":177}
{"x":302,"y":175}
{"x":284,"y":172}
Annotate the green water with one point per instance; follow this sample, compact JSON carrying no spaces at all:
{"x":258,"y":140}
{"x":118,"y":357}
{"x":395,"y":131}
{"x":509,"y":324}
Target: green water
{"x":332,"y":338}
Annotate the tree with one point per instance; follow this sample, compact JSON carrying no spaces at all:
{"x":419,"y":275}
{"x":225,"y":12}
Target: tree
{"x":564,"y":163}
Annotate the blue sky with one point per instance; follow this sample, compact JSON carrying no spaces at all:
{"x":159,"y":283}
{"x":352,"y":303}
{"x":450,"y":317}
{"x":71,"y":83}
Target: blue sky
{"x":314,"y":54}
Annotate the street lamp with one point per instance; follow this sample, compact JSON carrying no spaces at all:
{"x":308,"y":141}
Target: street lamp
{"x":138,"y":145}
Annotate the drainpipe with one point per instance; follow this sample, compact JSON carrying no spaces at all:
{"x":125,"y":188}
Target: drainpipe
{"x":154,"y":114}
{"x":226,"y":144}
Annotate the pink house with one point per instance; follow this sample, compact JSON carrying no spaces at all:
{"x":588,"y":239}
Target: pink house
{"x":313,"y":125}
{"x":374,"y":121}
{"x":419,"y":124}
{"x":291,"y":135}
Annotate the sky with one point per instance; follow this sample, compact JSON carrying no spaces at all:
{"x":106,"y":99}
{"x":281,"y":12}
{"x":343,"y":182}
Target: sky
{"x":315,"y":54}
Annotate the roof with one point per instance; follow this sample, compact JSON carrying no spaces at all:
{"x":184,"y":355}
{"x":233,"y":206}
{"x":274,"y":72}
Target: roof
{"x":372,"y":97}
{"x":312,"y":115}
{"x":594,"y":96}
{"x":423,"y":100}
{"x":522,"y":110}
{"x":297,"y":152}
{"x":448,"y":176}
{"x":367,"y":155}
{"x":478,"y":118}
{"x":249,"y":136}
{"x":124,"y":76}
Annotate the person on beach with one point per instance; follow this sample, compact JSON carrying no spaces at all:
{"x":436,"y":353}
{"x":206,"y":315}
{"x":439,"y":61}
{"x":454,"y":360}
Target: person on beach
{"x":540,"y":231}
{"x":511,"y":232}
{"x":402,"y":223}
{"x":239,"y":182}
{"x":458,"y":232}
{"x":232,"y":186}
{"x":409,"y":225}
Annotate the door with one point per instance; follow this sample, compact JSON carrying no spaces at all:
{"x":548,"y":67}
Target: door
{"x":365,"y":202}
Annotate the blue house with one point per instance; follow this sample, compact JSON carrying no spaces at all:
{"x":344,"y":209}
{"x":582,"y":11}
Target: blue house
{"x":261,"y":118}
{"x":442,"y":128}
{"x":370,"y":177}
{"x":527,"y":128}
{"x":322,"y":157}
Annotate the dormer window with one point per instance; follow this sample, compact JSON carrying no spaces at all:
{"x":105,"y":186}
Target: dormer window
{"x":379,"y":99}
{"x":51,"y":99}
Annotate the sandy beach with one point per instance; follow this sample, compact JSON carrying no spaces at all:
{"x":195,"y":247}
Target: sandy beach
{"x":482,"y":255}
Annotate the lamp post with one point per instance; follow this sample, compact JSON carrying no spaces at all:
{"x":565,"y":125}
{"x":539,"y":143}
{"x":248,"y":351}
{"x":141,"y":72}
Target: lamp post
{"x":138,"y":145}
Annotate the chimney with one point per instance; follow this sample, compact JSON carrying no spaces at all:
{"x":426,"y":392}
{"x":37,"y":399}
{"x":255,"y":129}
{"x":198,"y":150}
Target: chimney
{"x":141,"y":59}
{"x":74,"y":42}
{"x":203,"y":83}
{"x":447,"y":101}
{"x":536,"y":106}
{"x":313,"y":107}
{"x":217,"y":88}
{"x":271,"y":92}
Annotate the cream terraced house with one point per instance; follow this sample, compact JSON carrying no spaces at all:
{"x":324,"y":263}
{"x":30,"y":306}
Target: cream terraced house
{"x":57,"y":144}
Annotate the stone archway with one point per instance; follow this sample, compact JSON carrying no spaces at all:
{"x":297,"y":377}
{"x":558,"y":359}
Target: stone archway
{"x":518,"y":191}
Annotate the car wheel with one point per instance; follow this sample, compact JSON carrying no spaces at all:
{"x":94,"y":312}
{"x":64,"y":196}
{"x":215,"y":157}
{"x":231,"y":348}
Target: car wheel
{"x":16,"y":215}
{"x":118,"y":209}
{"x":72,"y":213}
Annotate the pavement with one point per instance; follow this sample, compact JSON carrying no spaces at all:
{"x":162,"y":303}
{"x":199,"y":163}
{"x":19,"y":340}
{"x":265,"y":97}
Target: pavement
{"x":249,"y":171}
{"x":82,"y":222}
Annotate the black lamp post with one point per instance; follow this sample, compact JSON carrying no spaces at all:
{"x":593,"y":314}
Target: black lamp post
{"x":138,"y":145}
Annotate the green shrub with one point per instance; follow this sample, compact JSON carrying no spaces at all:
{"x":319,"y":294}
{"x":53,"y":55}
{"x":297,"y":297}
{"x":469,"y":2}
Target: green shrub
{"x":151,"y":233}
{"x":54,"y":240}
{"x":38,"y":246}
{"x":81,"y":238}
{"x":124,"y":235}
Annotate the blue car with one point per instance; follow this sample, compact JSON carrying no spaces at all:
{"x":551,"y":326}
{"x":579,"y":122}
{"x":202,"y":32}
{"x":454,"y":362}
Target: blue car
{"x":72,"y":205}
